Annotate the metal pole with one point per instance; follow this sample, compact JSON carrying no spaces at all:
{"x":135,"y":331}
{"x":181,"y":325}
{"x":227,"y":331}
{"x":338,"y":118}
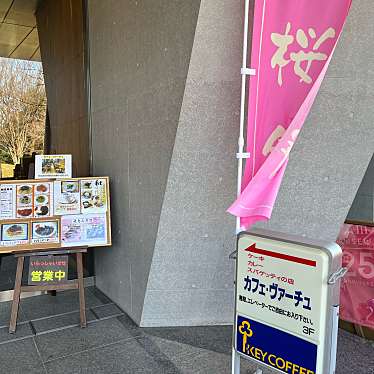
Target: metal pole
{"x":241,"y":142}
{"x":235,"y":365}
{"x":334,"y":342}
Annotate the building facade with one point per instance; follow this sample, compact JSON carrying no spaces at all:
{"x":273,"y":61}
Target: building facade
{"x":148,"y":93}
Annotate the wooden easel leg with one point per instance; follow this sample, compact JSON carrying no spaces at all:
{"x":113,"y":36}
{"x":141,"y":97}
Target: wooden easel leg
{"x":82,"y":301}
{"x":16,"y":295}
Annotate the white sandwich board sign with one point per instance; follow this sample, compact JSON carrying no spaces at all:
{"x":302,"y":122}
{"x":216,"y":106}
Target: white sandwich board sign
{"x":287,"y":302}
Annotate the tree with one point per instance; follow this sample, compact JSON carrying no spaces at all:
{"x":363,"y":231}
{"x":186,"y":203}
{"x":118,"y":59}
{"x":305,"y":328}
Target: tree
{"x":22,"y":109}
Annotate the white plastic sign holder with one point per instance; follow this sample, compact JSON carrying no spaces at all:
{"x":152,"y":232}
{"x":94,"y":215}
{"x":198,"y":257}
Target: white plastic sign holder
{"x":287,"y":303}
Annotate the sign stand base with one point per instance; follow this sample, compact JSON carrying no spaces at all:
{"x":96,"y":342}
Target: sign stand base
{"x":68,"y":285}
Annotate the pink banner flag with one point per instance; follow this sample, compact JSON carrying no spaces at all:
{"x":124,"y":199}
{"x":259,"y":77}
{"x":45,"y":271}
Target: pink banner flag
{"x":293,"y":42}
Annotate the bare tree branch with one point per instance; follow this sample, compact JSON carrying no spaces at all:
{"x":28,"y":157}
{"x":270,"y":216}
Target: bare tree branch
{"x":22,"y":109}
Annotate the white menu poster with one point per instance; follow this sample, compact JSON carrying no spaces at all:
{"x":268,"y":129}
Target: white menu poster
{"x":7,"y":201}
{"x":43,"y":200}
{"x":90,"y":229}
{"x":13,"y":234}
{"x":94,"y":196}
{"x":44,"y":232}
{"x":34,"y":200}
{"x":53,"y":166}
{"x":67,"y":198}
{"x":25,"y":193}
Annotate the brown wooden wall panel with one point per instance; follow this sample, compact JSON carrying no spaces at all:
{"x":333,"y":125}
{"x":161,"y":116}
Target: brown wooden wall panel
{"x":61,"y":32}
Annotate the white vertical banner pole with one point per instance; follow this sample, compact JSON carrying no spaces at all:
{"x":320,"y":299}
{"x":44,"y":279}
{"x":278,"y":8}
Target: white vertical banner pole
{"x":235,"y":364}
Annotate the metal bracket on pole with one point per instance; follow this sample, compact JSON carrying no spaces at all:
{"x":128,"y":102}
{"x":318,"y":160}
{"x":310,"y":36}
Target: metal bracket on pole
{"x":337,"y":275}
{"x":233,"y":255}
{"x":243,"y":155}
{"x":248,"y":71}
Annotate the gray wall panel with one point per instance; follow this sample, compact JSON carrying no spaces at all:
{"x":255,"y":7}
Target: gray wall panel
{"x":140,"y":53}
{"x":362,"y":208}
{"x":191,"y":278}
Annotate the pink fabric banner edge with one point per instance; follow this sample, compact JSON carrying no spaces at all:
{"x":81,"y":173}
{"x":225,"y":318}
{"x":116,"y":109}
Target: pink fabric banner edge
{"x":255,"y":188}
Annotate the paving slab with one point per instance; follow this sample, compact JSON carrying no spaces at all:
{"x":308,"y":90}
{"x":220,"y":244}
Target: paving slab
{"x":23,"y":331}
{"x":20,"y":357}
{"x":212,"y":338}
{"x":5,"y":309}
{"x":64,"y":302}
{"x":145,"y":355}
{"x":59,"y":322}
{"x":73,"y":340}
{"x":107,"y":311}
{"x":355,"y":355}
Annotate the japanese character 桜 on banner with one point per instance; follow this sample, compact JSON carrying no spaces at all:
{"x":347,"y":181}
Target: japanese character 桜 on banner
{"x":293,"y":42}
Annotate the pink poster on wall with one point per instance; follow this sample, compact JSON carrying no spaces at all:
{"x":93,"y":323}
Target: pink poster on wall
{"x":357,"y":287}
{"x":293,"y":42}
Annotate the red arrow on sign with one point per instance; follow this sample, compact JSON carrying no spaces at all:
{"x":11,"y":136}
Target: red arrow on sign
{"x":281,"y":256}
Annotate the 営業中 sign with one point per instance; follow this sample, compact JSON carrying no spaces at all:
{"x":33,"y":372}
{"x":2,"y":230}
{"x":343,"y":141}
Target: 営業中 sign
{"x":286,"y":308}
{"x":45,"y":270}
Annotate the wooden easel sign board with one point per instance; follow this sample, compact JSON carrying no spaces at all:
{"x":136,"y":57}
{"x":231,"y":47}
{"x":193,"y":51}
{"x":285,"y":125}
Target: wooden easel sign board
{"x":48,"y":213}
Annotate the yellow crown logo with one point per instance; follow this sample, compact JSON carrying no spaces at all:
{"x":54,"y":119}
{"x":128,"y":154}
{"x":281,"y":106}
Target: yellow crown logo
{"x":245,"y":330}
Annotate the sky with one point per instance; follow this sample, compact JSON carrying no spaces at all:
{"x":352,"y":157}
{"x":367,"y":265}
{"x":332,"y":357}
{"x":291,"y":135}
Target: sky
{"x":28,"y":64}
{"x":33,"y":67}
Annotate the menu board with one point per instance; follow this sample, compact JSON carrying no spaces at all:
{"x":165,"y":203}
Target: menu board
{"x":54,"y":213}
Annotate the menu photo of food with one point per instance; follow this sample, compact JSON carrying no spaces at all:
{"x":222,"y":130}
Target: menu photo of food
{"x":81,"y":229}
{"x":94,"y":196}
{"x":70,"y":186}
{"x":42,"y":200}
{"x":45,"y":232}
{"x":14,"y":234}
{"x":53,"y":166}
{"x":67,"y":198}
{"x":24,"y":200}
